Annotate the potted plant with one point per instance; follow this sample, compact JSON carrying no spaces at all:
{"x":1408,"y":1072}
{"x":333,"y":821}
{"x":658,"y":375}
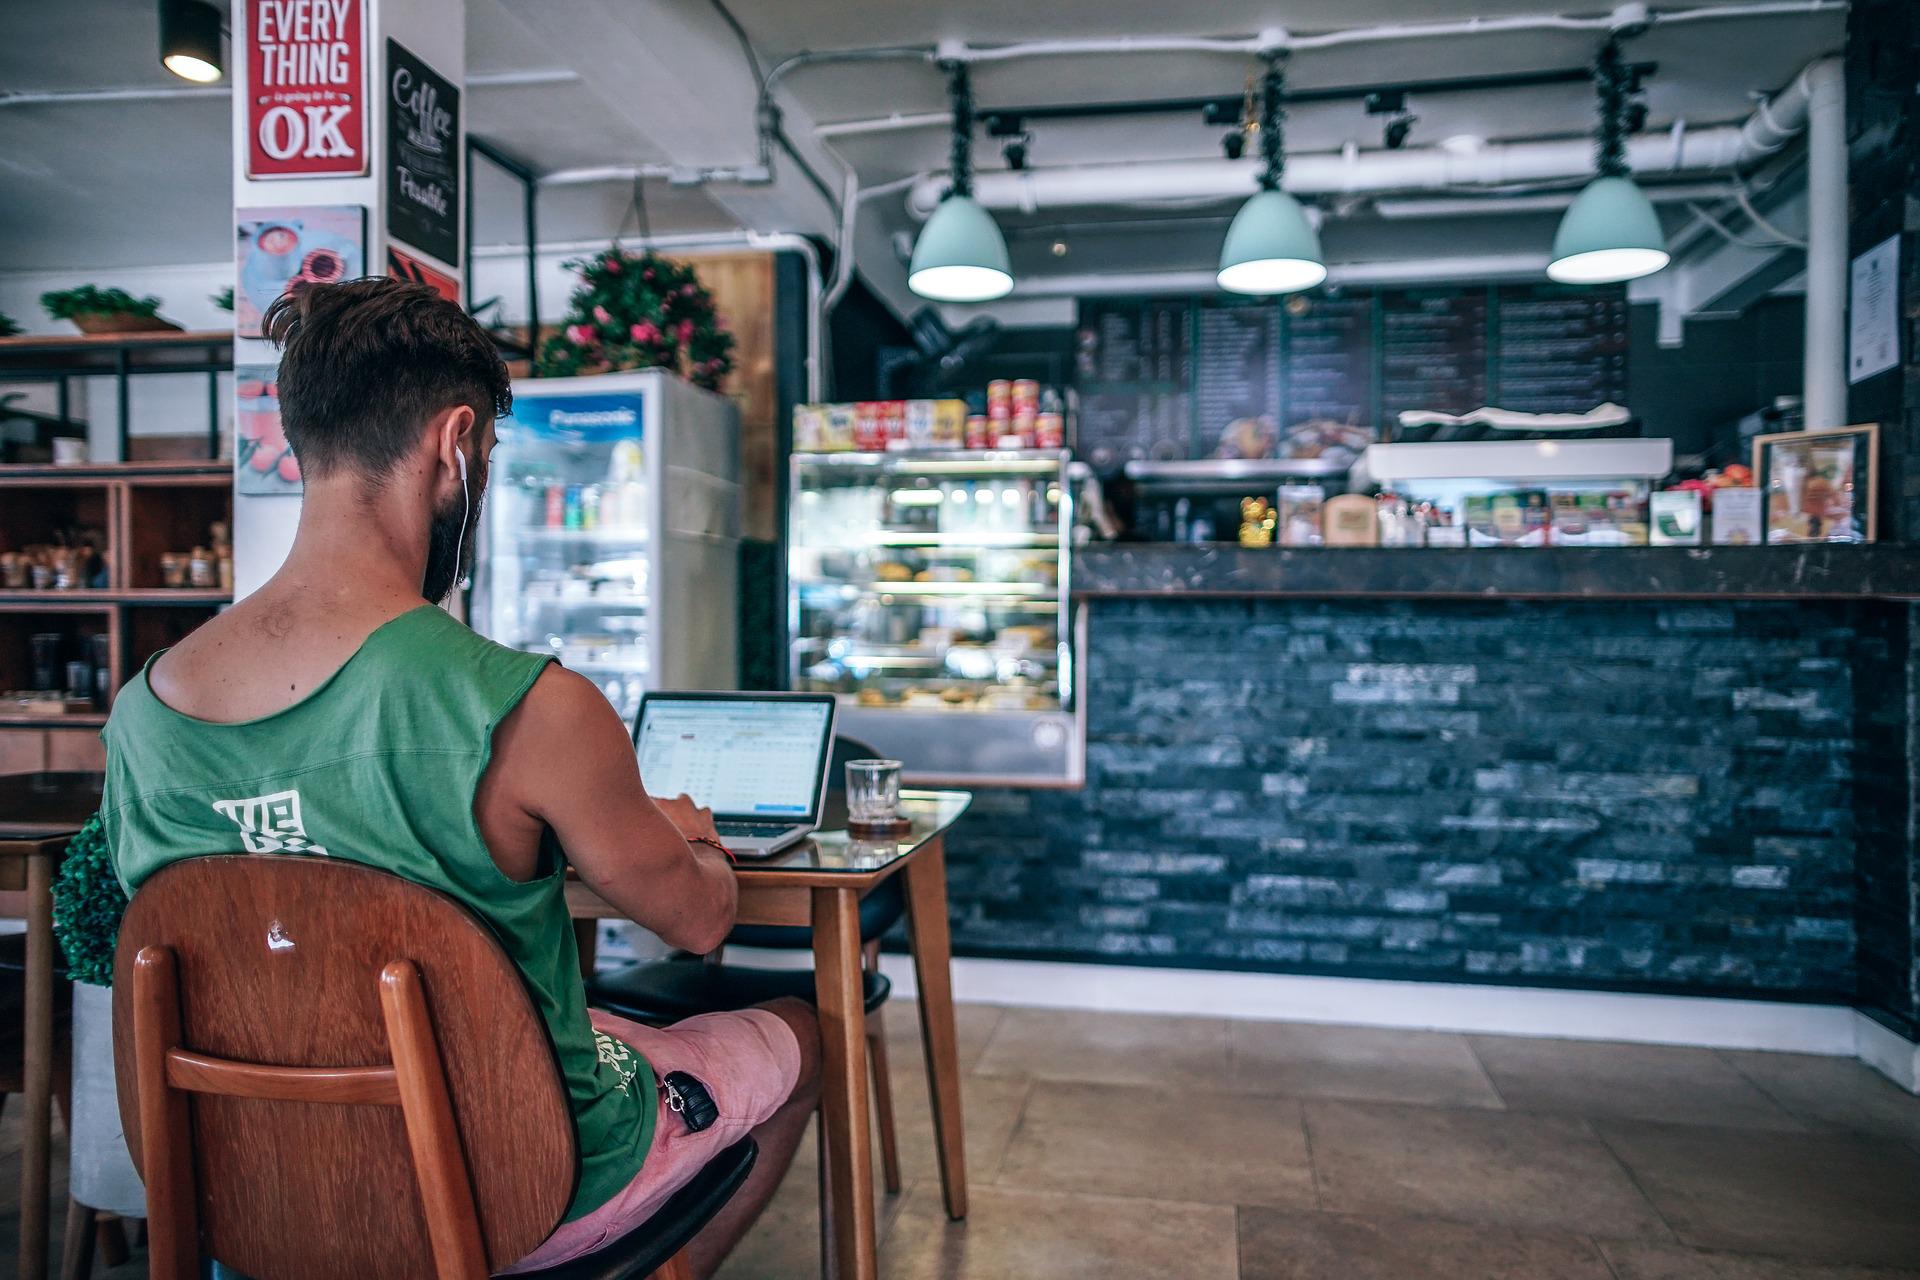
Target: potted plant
{"x":8,"y":328}
{"x":639,"y":311}
{"x":87,"y":905}
{"x":96,"y":310}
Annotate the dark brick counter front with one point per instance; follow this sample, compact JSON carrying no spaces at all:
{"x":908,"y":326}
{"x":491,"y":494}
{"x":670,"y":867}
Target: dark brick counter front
{"x":1623,"y":794}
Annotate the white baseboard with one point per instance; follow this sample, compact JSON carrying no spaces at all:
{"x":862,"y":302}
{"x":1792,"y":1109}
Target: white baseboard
{"x":1890,"y":1053}
{"x":1489,"y":1009}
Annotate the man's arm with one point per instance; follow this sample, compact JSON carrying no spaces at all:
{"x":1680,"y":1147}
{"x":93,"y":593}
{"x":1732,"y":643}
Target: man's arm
{"x":565,"y":759}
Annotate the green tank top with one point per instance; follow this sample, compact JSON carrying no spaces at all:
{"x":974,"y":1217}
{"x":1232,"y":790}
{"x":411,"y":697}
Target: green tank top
{"x":378,"y":765}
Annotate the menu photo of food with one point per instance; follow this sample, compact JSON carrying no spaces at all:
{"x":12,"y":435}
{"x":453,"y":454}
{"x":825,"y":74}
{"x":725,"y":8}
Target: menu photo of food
{"x":284,"y":250}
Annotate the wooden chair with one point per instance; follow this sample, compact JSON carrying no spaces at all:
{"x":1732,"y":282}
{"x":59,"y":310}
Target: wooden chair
{"x":337,"y":1072}
{"x":665,"y":991}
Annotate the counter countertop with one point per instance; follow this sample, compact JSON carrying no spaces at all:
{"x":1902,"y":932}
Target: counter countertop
{"x":1820,"y":571}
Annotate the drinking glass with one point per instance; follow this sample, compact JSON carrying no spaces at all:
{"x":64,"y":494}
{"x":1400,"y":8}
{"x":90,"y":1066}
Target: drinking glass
{"x":873,"y":791}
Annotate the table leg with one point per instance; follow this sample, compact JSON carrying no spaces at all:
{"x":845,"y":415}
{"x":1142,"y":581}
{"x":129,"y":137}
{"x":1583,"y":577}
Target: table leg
{"x":843,"y":1086}
{"x":930,"y":937}
{"x":38,"y":1037}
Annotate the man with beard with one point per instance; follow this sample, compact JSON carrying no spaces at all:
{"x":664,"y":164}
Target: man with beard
{"x":337,"y":711}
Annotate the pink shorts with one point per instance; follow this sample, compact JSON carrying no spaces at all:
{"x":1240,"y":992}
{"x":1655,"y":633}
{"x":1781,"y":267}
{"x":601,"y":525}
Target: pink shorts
{"x":748,"y":1060}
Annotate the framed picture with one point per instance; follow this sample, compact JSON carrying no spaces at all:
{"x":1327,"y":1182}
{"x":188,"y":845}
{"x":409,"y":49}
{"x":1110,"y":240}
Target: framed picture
{"x":1819,"y":486}
{"x":284,"y":250}
{"x":263,"y":464}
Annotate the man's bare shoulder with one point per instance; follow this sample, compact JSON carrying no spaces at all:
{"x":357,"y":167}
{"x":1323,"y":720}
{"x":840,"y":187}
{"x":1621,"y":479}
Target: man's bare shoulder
{"x":260,"y":656}
{"x":563,"y":704}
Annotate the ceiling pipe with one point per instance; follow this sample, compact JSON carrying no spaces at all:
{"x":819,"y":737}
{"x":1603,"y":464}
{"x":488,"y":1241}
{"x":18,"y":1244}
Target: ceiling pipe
{"x":1718,"y":149}
{"x":1540,"y":202}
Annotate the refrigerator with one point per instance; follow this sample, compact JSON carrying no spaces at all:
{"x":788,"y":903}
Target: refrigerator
{"x":930,"y":591}
{"x":611,"y":533}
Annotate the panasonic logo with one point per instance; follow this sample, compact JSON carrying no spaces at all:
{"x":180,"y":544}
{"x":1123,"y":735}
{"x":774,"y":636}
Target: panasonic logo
{"x":594,"y":418}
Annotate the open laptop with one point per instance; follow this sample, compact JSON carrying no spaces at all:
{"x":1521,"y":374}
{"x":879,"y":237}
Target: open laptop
{"x":758,"y":760}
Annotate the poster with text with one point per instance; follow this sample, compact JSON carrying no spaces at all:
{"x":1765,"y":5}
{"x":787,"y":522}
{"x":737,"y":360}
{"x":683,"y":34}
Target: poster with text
{"x":263,"y":463}
{"x":306,"y":88}
{"x":287,"y":249}
{"x":423,"y":156}
{"x":402,"y":265}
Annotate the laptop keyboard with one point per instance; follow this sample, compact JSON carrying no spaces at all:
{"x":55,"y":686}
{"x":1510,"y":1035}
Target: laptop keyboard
{"x":753,"y":830}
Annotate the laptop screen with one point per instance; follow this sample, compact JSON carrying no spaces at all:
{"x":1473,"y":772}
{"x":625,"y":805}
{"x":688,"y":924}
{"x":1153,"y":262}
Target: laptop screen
{"x":748,"y":759}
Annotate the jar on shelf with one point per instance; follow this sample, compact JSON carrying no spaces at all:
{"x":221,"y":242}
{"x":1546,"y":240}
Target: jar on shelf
{"x":202,"y":572}
{"x":173,"y":569}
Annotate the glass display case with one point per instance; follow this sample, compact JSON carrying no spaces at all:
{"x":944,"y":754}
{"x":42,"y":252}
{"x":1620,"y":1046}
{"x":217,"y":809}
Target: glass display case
{"x":613,"y":504}
{"x":930,"y":592}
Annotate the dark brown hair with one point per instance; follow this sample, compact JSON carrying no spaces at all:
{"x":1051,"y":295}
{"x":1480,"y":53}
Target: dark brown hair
{"x":367,"y":362}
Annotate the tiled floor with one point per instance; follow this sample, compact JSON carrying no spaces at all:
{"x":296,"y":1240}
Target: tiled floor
{"x":1114,"y":1147}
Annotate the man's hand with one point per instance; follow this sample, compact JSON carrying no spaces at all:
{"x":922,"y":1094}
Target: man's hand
{"x":690,"y":819}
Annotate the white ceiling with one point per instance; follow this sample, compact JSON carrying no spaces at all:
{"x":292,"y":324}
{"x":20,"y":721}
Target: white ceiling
{"x":114,"y":184}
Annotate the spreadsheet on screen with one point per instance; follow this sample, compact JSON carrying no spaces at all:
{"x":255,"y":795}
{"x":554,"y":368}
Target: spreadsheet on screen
{"x":736,"y":758}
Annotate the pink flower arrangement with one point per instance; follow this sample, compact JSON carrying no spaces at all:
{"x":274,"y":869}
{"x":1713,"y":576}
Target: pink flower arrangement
{"x":600,"y":314}
{"x":613,"y":262}
{"x":685,"y":331}
{"x":646,"y":331}
{"x":580,"y":335}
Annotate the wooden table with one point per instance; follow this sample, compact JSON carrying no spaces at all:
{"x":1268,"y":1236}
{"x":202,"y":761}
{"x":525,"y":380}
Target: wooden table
{"x":819,"y":883}
{"x":39,"y":813}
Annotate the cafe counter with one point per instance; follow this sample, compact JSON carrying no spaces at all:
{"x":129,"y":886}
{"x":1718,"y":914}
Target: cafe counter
{"x":1666,"y":769}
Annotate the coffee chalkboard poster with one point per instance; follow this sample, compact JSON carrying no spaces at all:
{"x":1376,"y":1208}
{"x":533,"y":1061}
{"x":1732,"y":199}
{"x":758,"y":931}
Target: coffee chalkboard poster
{"x":1561,"y":349}
{"x":423,"y":156}
{"x":1433,"y":351}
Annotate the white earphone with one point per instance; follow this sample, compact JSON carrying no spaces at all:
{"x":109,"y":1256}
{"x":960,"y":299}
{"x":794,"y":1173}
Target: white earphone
{"x":466,"y":509}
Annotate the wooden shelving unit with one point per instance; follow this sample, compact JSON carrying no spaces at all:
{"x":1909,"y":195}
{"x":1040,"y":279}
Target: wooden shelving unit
{"x":122,"y":356}
{"x":145,"y":509}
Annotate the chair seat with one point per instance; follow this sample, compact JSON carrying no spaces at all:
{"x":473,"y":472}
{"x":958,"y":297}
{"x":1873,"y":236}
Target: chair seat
{"x":878,"y":912}
{"x":669,"y":990}
{"x":646,"y":1248}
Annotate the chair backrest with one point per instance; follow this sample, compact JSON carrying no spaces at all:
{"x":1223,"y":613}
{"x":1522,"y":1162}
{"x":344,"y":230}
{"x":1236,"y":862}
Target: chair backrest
{"x":305,"y":1042}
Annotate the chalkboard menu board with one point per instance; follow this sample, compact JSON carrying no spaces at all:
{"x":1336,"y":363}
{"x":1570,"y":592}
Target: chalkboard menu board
{"x":1561,"y":350}
{"x":1433,"y":351}
{"x":1236,"y":376}
{"x":1173,"y":378}
{"x":1133,"y":366}
{"x":1326,"y":365}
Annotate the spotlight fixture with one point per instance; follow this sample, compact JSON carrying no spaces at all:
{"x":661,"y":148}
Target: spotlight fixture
{"x":1610,"y":231}
{"x":961,"y":255}
{"x":1015,"y":151}
{"x":1234,"y":144}
{"x":190,"y":40}
{"x":1392,"y":103}
{"x":1271,"y":247}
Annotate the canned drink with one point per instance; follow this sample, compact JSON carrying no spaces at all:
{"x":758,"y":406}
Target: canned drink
{"x":1050,"y":431}
{"x":1026,"y":395}
{"x":999,"y":400}
{"x":556,"y":506}
{"x":590,"y":507}
{"x":572,"y":511}
{"x":893,"y":417}
{"x":869,"y":428}
{"x":979,"y":432}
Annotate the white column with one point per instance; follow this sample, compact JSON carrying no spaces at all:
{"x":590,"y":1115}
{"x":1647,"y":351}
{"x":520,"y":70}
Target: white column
{"x":434,"y":31}
{"x":1825,"y":387}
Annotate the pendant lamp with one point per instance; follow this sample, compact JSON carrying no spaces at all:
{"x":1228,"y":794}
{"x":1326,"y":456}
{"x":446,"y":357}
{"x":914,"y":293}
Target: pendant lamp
{"x":1271,"y":247}
{"x":1610,"y":232}
{"x":960,"y":255}
{"x":190,"y":40}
